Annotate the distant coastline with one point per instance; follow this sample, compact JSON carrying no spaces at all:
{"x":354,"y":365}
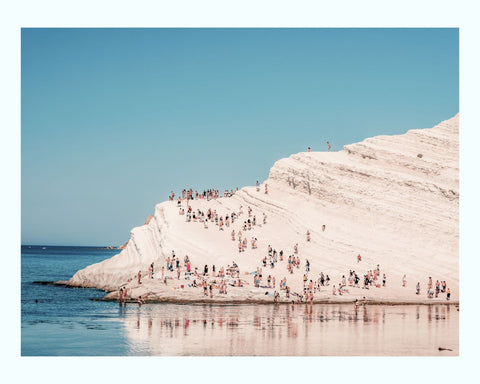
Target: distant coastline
{"x":70,"y":246}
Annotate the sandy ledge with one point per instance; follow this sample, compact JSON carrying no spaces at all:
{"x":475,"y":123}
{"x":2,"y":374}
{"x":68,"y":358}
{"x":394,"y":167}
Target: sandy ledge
{"x":156,"y":292}
{"x":265,"y":302}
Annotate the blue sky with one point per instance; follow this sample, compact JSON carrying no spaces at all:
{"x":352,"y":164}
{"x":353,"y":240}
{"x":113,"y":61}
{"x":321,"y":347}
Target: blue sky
{"x":113,"y":119}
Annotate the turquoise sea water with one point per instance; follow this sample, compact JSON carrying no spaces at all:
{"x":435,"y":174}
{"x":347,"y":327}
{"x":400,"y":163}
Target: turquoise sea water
{"x":64,"y":321}
{"x":59,"y":321}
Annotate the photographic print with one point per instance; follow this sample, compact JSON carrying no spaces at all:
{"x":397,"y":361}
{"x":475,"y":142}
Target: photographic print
{"x":240,"y":192}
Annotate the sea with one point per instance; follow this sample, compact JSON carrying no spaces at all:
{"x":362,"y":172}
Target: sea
{"x":61,"y":321}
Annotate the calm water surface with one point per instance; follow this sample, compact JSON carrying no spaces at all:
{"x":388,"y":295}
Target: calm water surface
{"x":66,"y":322}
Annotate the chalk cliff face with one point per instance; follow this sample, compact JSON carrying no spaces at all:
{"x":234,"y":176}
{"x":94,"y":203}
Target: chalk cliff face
{"x":392,"y":199}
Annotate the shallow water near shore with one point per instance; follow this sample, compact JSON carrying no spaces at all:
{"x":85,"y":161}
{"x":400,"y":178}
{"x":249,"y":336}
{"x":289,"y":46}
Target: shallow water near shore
{"x":58,"y":321}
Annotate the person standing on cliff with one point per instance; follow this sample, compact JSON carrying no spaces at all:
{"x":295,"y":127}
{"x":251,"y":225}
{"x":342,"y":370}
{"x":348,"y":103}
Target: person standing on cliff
{"x":139,"y":277}
{"x":150,"y":270}
{"x":329,"y":146}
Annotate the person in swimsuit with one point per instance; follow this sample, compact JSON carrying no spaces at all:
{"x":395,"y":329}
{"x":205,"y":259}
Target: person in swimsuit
{"x":151,"y":270}
{"x":276,"y":295}
{"x":329,"y":146}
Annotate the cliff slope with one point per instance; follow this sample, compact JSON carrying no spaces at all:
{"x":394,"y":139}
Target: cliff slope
{"x":392,"y":199}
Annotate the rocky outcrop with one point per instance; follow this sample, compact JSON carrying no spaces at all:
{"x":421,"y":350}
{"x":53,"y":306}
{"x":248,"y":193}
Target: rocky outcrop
{"x":394,"y":199}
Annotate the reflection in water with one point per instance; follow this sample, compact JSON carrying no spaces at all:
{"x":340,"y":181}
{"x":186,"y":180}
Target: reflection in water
{"x":296,"y":330}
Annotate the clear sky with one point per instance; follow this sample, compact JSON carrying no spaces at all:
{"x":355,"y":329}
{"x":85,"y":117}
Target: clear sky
{"x":114,"y":119}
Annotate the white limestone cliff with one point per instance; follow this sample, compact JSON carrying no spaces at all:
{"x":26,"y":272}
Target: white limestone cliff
{"x":392,"y":199}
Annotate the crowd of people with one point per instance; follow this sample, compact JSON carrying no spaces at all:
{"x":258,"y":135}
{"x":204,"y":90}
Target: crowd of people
{"x":189,"y":194}
{"x":433,"y":290}
{"x":210,"y":279}
{"x":225,"y":221}
{"x":372,"y":278}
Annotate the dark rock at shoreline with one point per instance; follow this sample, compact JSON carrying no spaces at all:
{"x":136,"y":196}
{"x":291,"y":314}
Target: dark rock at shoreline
{"x":59,"y":283}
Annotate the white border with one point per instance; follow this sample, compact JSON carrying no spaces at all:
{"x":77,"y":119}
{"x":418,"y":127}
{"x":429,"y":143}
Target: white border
{"x":247,"y":13}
